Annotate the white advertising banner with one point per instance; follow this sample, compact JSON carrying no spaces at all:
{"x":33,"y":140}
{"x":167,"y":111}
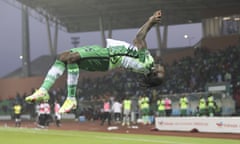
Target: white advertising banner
{"x":202,"y":124}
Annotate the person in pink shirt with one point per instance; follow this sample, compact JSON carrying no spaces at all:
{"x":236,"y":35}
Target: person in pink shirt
{"x":44,"y":114}
{"x":168,"y":106}
{"x":106,"y":112}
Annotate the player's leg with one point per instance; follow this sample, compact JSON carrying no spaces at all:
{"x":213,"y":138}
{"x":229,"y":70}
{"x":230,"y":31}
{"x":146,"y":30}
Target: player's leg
{"x":124,"y":118}
{"x":57,"y":119}
{"x":128,"y":118}
{"x":72,"y":81}
{"x":104,"y":117}
{"x":19,"y":120}
{"x":109,"y":118}
{"x":53,"y":74}
{"x":145,"y":116}
{"x":118,"y":117}
{"x":56,"y":70}
{"x":87,"y":52}
{"x":41,"y":121}
{"x":16,"y":120}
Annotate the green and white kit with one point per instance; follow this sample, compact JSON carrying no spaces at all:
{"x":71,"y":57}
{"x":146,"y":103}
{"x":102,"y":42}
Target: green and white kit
{"x":117,"y":54}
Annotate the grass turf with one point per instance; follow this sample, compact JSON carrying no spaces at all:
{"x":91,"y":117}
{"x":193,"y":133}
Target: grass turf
{"x":10,"y":135}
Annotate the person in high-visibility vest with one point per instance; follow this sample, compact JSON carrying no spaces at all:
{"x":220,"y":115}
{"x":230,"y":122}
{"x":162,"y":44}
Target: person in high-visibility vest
{"x":127,"y":105}
{"x":183,"y":102}
{"x":202,"y":106}
{"x":211,"y":105}
{"x":17,"y":108}
{"x":161,"y":107}
{"x":144,"y":104}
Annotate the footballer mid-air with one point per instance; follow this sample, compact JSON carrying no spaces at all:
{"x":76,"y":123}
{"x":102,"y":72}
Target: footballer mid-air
{"x":134,"y":57}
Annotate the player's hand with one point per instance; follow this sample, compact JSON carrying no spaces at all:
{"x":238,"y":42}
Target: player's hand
{"x":156,"y":17}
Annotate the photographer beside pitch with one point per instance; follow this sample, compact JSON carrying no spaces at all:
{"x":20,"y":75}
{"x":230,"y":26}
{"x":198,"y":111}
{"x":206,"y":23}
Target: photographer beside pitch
{"x":134,"y":57}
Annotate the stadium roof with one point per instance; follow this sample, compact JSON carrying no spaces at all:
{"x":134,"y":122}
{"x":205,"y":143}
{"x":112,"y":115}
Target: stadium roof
{"x":83,"y":15}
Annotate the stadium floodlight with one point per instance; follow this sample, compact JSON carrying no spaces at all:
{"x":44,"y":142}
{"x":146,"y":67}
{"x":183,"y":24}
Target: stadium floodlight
{"x":226,"y":18}
{"x":189,"y":38}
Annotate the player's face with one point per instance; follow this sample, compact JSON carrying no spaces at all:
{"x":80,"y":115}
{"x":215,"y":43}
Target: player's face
{"x":158,"y":71}
{"x":156,"y":76}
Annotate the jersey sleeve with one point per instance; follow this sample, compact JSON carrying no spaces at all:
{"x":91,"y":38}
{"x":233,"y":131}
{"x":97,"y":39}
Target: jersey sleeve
{"x":113,"y":43}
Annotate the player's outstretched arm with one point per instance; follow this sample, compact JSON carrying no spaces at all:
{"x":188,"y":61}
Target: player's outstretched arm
{"x":140,"y":41}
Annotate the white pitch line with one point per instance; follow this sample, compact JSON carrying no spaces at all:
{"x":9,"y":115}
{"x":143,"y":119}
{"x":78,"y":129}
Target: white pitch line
{"x":142,"y":140}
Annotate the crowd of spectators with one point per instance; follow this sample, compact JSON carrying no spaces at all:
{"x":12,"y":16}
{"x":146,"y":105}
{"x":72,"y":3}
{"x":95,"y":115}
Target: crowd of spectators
{"x":189,"y":74}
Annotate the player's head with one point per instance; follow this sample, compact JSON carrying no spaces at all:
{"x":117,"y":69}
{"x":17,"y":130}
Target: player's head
{"x":156,"y":76}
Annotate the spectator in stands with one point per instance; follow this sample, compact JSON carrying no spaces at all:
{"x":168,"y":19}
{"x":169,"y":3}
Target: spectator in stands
{"x":219,"y":77}
{"x":227,"y":77}
{"x":203,"y":68}
{"x":135,"y":57}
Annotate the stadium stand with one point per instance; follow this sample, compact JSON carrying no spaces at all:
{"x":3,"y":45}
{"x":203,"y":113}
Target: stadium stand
{"x":187,"y":75}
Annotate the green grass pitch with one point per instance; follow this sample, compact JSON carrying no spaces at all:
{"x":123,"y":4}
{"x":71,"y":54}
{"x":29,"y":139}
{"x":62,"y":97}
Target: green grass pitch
{"x":9,"y":135}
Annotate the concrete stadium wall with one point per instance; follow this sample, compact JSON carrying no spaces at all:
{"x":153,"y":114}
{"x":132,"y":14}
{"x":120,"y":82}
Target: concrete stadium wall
{"x":222,"y":42}
{"x":9,"y":87}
